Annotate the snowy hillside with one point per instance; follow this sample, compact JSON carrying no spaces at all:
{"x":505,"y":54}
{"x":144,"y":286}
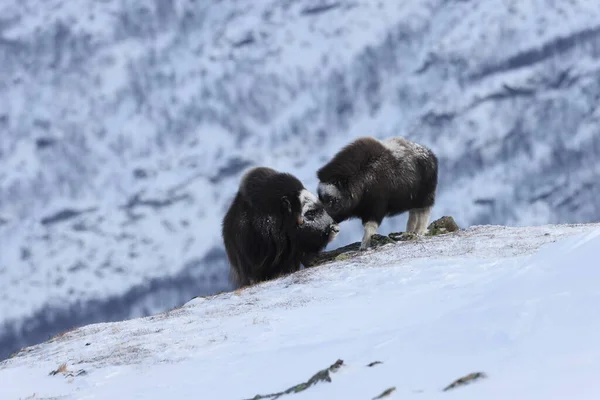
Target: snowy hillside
{"x":518,"y":305}
{"x":126,"y":125}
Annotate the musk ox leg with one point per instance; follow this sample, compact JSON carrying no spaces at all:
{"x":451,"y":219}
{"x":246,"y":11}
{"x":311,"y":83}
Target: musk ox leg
{"x":422,"y":220}
{"x":418,"y":219}
{"x":411,"y":224}
{"x":370,"y":228}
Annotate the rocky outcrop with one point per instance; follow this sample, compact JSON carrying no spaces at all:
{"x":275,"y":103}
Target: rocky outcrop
{"x":440,"y":226}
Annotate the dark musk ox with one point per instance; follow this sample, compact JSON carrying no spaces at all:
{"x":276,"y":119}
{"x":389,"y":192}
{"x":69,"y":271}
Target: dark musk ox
{"x":273,"y":225}
{"x":372,"y":179}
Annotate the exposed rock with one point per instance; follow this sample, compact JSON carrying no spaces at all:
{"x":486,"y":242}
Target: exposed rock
{"x":465,"y":380}
{"x":403,"y":236}
{"x":321,"y":376}
{"x":385,"y":393}
{"x":441,"y":226}
{"x":381,"y":240}
{"x":348,"y":251}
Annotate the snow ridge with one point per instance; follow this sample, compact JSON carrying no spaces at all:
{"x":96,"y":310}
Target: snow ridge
{"x":517,"y":304}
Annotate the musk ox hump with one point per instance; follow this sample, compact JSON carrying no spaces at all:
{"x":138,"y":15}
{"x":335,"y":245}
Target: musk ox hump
{"x":351,"y":160}
{"x":402,"y":148}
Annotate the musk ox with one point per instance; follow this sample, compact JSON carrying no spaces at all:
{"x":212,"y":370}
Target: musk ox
{"x":371,"y":179}
{"x":273,"y":225}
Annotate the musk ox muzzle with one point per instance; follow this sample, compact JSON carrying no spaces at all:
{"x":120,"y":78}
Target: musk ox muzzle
{"x":315,"y":219}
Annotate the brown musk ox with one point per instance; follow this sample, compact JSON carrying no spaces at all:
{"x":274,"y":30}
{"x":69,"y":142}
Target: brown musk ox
{"x":372,"y":179}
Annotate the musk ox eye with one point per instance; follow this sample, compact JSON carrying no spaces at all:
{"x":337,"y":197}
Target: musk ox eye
{"x":311,"y":214}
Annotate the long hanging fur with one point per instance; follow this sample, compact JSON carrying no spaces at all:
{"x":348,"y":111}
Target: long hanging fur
{"x":273,"y":224}
{"x":372,"y":179}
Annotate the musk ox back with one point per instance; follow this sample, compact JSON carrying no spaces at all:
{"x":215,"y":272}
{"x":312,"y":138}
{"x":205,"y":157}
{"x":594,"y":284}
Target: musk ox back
{"x":272,"y":226}
{"x":371,"y":179}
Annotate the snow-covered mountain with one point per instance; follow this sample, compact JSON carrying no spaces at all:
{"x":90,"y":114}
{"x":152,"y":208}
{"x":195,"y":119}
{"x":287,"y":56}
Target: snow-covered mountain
{"x":126,"y":125}
{"x":514,"y":307}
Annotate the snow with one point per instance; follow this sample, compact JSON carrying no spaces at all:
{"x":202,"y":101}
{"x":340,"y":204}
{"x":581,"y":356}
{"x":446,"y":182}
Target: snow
{"x":518,"y":304}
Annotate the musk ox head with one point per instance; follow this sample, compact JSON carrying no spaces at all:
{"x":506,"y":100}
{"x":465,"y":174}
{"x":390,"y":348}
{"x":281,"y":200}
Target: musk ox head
{"x":337,"y":199}
{"x":273,"y":196}
{"x":317,"y":227}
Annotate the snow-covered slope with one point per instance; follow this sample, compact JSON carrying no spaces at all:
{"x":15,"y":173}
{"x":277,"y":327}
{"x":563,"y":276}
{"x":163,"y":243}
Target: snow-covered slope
{"x":126,"y":125}
{"x":518,"y":305}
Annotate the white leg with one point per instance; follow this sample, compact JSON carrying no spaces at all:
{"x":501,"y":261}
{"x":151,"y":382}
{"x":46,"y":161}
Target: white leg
{"x":370,"y":229}
{"x":411,"y":225}
{"x":423,"y":220}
